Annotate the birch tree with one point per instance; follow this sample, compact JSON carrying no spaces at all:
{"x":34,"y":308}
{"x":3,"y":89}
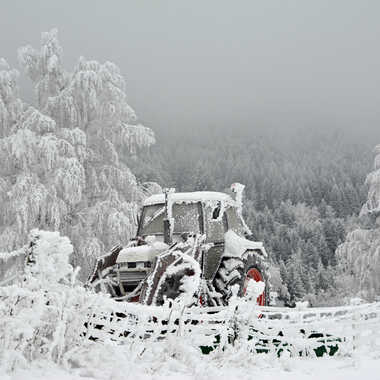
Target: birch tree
{"x":65,"y":161}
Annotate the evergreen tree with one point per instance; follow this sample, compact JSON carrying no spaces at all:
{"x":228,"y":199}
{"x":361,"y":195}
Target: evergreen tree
{"x":322,"y":279}
{"x":295,"y":285}
{"x":335,"y":199}
{"x":283,"y":272}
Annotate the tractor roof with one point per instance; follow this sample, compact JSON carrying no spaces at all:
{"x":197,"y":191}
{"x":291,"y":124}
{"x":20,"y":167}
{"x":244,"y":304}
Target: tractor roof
{"x":196,"y":196}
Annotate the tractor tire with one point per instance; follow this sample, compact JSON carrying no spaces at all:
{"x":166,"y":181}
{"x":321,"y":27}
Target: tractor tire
{"x":229,"y":274}
{"x":165,"y":282}
{"x":171,"y":287}
{"x":237,"y":271}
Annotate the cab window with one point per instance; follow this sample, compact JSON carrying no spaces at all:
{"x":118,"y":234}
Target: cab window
{"x":186,"y":217}
{"x":216,"y":223}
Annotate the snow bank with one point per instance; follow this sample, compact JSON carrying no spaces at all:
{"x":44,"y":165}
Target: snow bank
{"x":118,"y":364}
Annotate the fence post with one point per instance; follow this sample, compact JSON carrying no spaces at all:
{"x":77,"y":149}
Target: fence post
{"x":354,"y":332}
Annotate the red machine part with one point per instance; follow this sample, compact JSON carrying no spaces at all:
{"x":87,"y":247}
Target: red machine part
{"x":254,"y":274}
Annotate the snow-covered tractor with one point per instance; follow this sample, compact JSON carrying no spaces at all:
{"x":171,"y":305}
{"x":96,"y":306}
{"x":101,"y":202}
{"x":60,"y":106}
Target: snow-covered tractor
{"x":194,"y":245}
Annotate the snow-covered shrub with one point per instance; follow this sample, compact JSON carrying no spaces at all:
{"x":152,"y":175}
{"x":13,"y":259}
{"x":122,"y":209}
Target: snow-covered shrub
{"x":42,"y":313}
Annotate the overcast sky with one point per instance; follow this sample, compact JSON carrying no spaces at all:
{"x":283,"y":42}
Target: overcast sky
{"x":209,"y":63}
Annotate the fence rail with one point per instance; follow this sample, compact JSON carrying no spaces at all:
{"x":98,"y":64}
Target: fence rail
{"x":310,"y":331}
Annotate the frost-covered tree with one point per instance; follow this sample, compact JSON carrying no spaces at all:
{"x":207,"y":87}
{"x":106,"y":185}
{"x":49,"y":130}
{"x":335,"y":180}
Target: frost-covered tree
{"x":10,"y":104}
{"x":359,"y":261}
{"x":359,"y":255}
{"x":65,"y":163}
{"x":372,"y":206}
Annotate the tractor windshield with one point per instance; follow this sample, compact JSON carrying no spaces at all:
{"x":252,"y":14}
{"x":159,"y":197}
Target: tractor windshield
{"x":152,"y":222}
{"x":186,"y":219}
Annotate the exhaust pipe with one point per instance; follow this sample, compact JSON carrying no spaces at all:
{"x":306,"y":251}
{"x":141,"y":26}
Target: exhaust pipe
{"x":168,"y":220}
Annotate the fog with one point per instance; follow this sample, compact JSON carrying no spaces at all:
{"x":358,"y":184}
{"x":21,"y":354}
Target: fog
{"x":280,"y":96}
{"x":212,"y":64}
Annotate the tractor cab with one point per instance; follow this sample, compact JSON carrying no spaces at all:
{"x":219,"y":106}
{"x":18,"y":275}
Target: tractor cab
{"x":209,"y":213}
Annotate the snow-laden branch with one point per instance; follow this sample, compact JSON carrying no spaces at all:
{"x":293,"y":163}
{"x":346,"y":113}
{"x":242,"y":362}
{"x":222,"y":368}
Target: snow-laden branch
{"x":65,"y":162}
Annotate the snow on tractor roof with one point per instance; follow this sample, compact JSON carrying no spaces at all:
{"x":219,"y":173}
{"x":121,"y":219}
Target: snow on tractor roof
{"x":196,"y":196}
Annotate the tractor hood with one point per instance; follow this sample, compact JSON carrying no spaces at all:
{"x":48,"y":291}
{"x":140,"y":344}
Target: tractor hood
{"x":146,"y":252}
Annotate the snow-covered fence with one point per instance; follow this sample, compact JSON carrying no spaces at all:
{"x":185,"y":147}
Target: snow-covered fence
{"x":132,"y":322}
{"x":312,"y":331}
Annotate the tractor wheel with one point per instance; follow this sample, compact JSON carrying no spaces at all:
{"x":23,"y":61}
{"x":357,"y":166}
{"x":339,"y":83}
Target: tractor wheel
{"x":171,"y":287}
{"x":229,"y":274}
{"x":238,"y":271}
{"x":167,"y":280}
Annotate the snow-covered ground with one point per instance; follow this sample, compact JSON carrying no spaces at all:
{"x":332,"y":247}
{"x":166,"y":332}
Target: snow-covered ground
{"x":43,"y":314}
{"x":254,"y":367}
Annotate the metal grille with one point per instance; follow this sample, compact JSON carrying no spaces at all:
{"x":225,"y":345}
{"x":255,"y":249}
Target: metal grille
{"x":132,"y":277}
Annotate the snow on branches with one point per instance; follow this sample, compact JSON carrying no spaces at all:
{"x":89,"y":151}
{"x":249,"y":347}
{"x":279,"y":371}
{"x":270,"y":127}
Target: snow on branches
{"x":10,"y":104}
{"x":65,"y":163}
{"x":359,"y":255}
{"x":42,"y":313}
{"x":372,"y":206}
{"x":137,"y":137}
{"x":44,"y":67}
{"x":359,"y":260}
